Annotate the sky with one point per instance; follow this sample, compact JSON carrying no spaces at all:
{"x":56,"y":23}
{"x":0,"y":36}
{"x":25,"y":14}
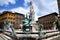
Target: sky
{"x":41,"y":7}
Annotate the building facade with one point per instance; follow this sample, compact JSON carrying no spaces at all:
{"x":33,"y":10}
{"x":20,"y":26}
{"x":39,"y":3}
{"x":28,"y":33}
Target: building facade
{"x":59,"y":20}
{"x":14,"y":18}
{"x":18,"y":20}
{"x":48,"y":20}
{"x":58,"y":2}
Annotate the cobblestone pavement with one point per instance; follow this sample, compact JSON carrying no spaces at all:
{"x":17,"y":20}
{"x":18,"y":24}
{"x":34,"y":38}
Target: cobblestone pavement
{"x":49,"y":32}
{"x":4,"y":37}
{"x":53,"y":38}
{"x":58,"y":38}
{"x":1,"y":38}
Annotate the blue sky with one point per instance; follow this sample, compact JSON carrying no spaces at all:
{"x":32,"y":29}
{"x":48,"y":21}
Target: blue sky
{"x":41,"y":7}
{"x":7,"y":5}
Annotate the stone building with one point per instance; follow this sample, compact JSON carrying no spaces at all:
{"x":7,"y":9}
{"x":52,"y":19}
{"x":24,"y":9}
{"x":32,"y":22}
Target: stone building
{"x":59,"y":20}
{"x":14,"y":18}
{"x":58,"y":1}
{"x":48,"y":20}
{"x":18,"y":20}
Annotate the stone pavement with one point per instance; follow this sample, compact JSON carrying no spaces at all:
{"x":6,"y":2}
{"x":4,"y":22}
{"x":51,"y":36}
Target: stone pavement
{"x":53,"y":38}
{"x":56,"y":38}
{"x":48,"y":33}
{"x":4,"y":37}
{"x":56,"y":35}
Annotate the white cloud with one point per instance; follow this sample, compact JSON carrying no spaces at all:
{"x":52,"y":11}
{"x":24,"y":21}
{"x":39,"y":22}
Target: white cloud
{"x":44,"y":7}
{"x":26,"y":1}
{"x":36,"y":10}
{"x":20,"y":10}
{"x":41,"y":7}
{"x":39,"y":13}
{"x":6,"y":2}
{"x":2,"y":10}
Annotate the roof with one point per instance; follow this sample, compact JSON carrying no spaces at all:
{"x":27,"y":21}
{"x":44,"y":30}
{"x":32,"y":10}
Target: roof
{"x":4,"y":12}
{"x":19,"y":14}
{"x":48,"y":15}
{"x":11,"y":12}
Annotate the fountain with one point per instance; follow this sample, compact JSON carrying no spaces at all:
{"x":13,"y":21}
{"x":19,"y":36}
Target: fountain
{"x":28,"y":30}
